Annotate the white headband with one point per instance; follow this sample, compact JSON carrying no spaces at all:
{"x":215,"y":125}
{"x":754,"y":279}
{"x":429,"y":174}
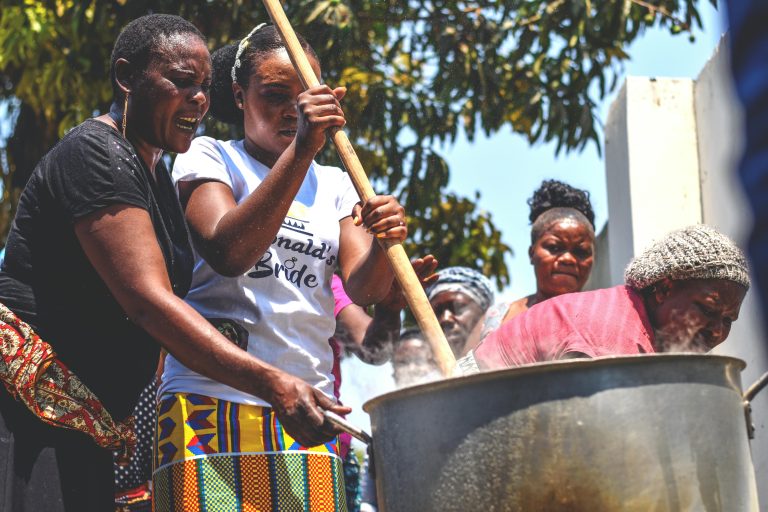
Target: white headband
{"x":241,"y":48}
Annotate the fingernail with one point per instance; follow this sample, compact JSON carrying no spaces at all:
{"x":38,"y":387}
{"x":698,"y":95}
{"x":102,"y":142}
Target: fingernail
{"x":381,"y":235}
{"x":356,"y":221}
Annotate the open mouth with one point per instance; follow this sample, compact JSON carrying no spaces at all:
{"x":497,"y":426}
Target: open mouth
{"x":287,"y":133}
{"x":188,"y":124}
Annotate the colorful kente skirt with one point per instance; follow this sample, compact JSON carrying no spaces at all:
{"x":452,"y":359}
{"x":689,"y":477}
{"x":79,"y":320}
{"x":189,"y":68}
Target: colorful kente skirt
{"x":214,"y":455}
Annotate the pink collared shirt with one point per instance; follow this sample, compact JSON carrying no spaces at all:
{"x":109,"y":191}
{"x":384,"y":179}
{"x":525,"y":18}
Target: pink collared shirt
{"x":611,"y":321}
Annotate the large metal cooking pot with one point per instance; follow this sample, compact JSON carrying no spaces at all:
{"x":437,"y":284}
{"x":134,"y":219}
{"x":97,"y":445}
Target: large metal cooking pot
{"x":638,"y":433}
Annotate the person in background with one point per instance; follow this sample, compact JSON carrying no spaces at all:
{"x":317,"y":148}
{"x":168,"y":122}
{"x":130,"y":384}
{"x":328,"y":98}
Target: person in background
{"x":270,"y":227}
{"x":561,"y":252}
{"x":97,"y":262}
{"x":412,"y":363}
{"x":681,"y":295}
{"x":371,"y":339}
{"x":412,"y":360}
{"x":133,"y":489}
{"x":460,"y":296}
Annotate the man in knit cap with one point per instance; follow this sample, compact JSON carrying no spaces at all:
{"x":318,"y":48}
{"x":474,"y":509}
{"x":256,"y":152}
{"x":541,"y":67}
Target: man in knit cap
{"x":460,"y":297}
{"x":681,"y":294}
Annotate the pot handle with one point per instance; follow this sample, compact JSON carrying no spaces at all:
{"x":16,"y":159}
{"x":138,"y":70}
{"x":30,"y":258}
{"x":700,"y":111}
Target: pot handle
{"x":755,"y":388}
{"x":749,"y":395}
{"x":347,"y":427}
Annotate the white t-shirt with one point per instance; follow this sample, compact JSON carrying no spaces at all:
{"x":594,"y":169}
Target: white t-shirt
{"x":281,"y":310}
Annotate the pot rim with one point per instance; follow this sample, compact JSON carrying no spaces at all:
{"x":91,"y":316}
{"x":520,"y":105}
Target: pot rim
{"x":548,"y":366}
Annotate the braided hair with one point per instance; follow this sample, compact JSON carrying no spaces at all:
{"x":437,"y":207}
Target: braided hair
{"x":262,"y":42}
{"x":139,"y":40}
{"x":554,"y":201}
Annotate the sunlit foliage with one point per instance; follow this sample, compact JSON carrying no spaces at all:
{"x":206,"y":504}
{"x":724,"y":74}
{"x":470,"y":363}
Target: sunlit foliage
{"x":418,"y":73}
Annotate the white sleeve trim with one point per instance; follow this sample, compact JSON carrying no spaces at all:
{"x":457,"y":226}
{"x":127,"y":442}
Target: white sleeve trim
{"x":203,"y":161}
{"x":347,"y":196}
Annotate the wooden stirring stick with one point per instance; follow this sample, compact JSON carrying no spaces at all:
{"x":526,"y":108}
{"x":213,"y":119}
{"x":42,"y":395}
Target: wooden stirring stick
{"x":401,"y":265}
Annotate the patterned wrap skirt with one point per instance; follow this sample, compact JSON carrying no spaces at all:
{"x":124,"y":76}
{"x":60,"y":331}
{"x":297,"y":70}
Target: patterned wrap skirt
{"x":214,"y":455}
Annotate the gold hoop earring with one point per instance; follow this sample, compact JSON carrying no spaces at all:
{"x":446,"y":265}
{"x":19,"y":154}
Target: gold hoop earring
{"x":125,"y":113}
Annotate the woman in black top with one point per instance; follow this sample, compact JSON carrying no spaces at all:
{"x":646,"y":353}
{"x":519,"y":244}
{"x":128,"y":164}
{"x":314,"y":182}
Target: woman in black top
{"x":97,"y":261}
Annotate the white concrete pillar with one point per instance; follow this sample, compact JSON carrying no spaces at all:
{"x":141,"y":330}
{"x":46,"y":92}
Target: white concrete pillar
{"x":651,"y":163}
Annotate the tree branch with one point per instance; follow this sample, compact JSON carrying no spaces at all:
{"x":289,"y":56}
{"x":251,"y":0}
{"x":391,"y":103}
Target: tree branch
{"x":663,"y":11}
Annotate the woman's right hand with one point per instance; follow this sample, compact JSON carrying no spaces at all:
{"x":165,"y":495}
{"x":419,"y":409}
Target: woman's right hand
{"x":299,"y":407}
{"x":318,"y":110}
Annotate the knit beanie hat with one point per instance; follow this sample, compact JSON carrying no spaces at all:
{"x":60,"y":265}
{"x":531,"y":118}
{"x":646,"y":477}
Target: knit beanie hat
{"x":465,"y":280}
{"x":695,"y":252}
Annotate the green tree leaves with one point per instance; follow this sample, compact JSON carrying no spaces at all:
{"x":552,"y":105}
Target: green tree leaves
{"x":417,"y":73}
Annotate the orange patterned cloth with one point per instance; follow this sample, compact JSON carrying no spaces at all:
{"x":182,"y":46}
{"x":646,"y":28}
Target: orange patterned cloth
{"x":31,"y":373}
{"x":215,"y":455}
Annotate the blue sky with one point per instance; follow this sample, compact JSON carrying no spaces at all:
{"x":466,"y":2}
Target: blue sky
{"x":506,"y":170}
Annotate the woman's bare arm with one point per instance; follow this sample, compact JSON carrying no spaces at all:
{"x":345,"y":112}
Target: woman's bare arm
{"x":232,"y":237}
{"x":365,"y":270}
{"x":121,"y":244}
{"x":372,"y":339}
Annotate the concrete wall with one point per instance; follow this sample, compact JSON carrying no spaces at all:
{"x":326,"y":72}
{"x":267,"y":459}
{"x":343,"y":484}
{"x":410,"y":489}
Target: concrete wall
{"x":652,"y":162}
{"x":600,"y":277}
{"x":671,"y":149}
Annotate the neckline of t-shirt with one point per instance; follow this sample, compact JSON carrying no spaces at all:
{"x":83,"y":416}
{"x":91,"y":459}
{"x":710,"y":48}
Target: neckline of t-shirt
{"x":239,"y":145}
{"x":154,"y":181}
{"x":110,"y":128}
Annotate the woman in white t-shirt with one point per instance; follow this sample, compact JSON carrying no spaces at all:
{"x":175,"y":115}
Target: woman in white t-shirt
{"x":270,"y":227}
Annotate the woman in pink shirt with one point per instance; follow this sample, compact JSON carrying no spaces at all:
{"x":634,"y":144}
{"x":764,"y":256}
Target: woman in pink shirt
{"x":561,"y":252}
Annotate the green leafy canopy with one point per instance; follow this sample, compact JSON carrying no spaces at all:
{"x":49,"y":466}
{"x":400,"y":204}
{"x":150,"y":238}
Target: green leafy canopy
{"x":417,"y":72}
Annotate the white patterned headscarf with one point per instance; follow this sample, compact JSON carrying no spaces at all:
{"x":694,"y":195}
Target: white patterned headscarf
{"x":465,"y":280}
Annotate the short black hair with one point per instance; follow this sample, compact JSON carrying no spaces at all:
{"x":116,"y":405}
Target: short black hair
{"x":555,"y":200}
{"x":261,"y":43}
{"x":556,"y":194}
{"x":140,"y":38}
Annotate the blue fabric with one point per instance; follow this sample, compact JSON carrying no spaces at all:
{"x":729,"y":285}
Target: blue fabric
{"x":749,"y":61}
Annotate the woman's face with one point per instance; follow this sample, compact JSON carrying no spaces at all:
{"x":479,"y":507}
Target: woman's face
{"x":269,"y":105}
{"x":458,"y":315}
{"x":562,"y":257}
{"x":694,"y":315}
{"x":171,"y":97}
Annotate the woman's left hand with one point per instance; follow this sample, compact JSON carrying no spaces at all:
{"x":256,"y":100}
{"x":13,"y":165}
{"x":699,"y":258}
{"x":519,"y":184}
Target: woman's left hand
{"x":425,"y":270}
{"x":382,"y":216}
